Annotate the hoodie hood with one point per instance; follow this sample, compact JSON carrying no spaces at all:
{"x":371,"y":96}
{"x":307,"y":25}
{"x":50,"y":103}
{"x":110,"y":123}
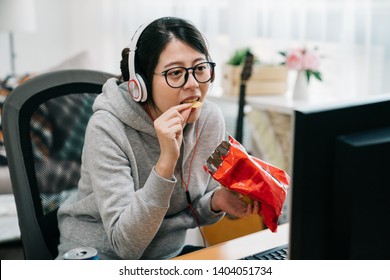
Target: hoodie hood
{"x":117,"y":100}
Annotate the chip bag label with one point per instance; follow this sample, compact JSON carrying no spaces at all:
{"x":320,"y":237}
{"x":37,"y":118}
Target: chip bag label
{"x":235,"y":169}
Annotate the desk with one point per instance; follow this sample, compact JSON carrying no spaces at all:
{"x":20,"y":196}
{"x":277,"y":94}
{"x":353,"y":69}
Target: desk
{"x":269,"y":122}
{"x":242,"y":246}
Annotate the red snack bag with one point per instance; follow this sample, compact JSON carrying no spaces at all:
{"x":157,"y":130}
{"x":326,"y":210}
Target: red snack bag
{"x":235,"y":169}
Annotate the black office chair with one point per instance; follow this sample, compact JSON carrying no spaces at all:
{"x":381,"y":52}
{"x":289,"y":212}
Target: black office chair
{"x":44,"y":121}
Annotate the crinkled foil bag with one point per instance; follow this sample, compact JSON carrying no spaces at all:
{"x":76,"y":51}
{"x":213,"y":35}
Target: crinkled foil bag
{"x":236,"y":170}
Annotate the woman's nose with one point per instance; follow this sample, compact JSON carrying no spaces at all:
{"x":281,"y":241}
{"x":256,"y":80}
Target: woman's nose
{"x":191,"y":81}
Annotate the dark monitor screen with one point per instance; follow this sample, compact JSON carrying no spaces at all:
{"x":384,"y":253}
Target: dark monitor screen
{"x":340,"y":207}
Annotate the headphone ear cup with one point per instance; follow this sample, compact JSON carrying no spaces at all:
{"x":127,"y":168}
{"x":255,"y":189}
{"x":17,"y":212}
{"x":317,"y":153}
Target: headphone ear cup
{"x":137,"y":88}
{"x":142,"y":87}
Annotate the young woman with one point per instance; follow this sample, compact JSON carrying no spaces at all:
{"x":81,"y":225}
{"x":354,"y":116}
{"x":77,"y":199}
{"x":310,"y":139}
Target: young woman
{"x":142,"y":180}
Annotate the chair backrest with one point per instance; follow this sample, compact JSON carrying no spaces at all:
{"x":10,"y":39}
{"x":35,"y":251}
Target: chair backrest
{"x":44,"y":121}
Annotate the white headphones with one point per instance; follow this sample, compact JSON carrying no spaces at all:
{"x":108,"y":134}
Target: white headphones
{"x":136,"y":84}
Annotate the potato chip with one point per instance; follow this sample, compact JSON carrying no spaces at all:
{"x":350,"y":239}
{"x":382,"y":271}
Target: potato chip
{"x":196,"y":104}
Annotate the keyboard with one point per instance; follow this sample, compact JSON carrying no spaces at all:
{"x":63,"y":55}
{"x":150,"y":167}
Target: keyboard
{"x":277,"y":253}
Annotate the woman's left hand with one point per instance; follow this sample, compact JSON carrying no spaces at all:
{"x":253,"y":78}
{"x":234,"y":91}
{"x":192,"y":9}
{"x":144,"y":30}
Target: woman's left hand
{"x":229,"y":201}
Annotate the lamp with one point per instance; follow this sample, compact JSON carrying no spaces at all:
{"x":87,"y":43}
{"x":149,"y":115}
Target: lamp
{"x":15,"y":16}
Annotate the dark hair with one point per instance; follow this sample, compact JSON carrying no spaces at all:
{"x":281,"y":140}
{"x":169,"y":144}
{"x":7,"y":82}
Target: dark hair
{"x":153,"y":41}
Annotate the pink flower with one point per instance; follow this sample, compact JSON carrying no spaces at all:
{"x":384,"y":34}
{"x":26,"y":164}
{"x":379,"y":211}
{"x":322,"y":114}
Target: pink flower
{"x":294,"y":59}
{"x":310,"y":61}
{"x":305,"y":60}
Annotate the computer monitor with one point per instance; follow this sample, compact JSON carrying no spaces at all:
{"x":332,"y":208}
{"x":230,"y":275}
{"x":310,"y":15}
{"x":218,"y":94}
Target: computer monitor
{"x":340,"y":204}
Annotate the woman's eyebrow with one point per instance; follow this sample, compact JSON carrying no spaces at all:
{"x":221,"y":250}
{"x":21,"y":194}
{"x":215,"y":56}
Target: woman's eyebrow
{"x":182,"y":63}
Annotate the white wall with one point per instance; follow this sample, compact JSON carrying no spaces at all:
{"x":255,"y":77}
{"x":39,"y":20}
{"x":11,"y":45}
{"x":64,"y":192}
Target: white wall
{"x":62,"y":31}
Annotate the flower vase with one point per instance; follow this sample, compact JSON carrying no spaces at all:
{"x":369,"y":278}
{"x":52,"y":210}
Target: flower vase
{"x":301,"y":86}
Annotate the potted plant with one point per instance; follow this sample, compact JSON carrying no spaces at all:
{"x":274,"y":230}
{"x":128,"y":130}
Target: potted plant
{"x":266,"y":79}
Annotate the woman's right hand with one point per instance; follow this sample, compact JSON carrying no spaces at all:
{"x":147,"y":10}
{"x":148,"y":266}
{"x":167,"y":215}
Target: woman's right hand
{"x":169,"y":129}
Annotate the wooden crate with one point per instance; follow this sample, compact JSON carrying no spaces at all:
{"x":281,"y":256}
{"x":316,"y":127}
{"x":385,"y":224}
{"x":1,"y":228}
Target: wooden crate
{"x":265,"y":80}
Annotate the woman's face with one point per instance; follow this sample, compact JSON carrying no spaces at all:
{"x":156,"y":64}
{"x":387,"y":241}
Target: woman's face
{"x":178,"y":54}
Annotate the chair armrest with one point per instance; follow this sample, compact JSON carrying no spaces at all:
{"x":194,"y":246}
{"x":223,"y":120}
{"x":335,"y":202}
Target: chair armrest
{"x":5,"y":181}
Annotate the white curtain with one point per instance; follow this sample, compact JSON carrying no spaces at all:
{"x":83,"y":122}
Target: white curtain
{"x":353,"y":36}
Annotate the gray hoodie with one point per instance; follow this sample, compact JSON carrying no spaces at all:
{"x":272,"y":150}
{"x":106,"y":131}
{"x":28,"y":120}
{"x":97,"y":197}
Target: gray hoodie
{"x":122,"y":207}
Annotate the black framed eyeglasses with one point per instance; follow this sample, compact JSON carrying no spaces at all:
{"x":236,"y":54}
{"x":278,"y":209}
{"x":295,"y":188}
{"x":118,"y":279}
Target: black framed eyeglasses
{"x":177,"y":77}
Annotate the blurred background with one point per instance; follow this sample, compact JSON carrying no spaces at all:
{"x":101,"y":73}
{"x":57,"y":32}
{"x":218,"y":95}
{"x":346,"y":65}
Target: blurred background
{"x":352,"y":36}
